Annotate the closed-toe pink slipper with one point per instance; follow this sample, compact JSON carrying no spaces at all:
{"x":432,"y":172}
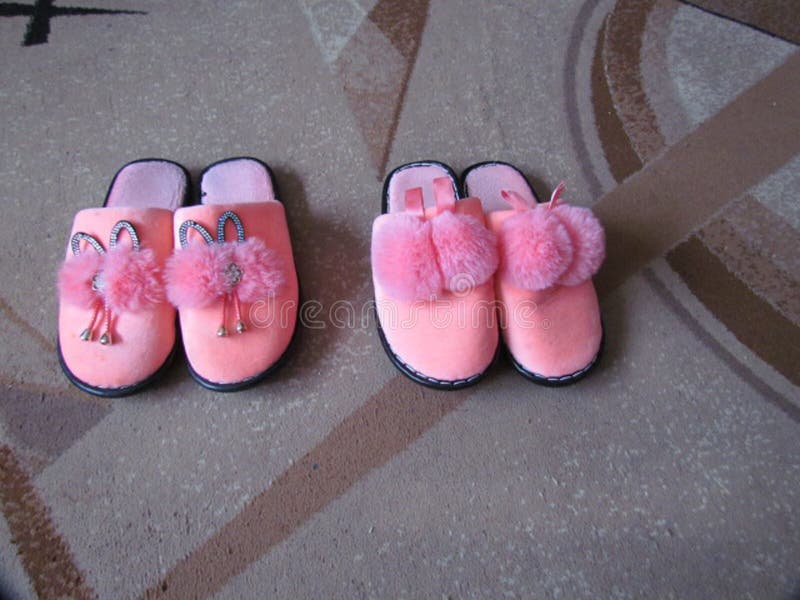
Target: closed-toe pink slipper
{"x":549,"y":313}
{"x":432,"y":266}
{"x":233,"y":277}
{"x":116,"y":329}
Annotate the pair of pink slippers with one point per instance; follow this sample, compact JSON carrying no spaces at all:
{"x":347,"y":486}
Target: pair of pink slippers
{"x":459,"y":264}
{"x":225,"y":263}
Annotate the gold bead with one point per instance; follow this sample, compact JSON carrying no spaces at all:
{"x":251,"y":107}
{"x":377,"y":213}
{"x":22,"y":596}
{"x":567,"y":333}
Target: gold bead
{"x":105,"y":339}
{"x":86,"y":335}
{"x":222,"y":332}
{"x":240,"y":328}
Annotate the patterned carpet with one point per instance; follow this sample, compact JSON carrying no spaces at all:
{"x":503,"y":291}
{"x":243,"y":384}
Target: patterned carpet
{"x":673,"y":471}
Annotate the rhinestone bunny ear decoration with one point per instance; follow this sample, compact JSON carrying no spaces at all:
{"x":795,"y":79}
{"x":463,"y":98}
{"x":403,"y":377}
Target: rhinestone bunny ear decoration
{"x":232,"y":272}
{"x":242,"y":271}
{"x":124,"y":278}
{"x":96,"y":283}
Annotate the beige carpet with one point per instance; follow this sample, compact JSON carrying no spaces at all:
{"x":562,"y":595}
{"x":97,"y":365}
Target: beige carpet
{"x":673,"y":471}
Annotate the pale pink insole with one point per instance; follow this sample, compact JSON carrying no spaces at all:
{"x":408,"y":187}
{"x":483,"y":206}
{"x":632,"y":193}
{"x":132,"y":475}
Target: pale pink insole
{"x":148,"y":184}
{"x":487,"y":181}
{"x":241,"y":180}
{"x":417,"y":176}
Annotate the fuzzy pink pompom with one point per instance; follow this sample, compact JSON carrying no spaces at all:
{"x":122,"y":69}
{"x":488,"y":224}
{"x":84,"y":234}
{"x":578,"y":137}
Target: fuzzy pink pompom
{"x":261,"y":270}
{"x":75,"y":279}
{"x":588,"y":243}
{"x":202,"y":273}
{"x":404,"y":259}
{"x":535,"y":249}
{"x":196,"y":275}
{"x":131,"y":279}
{"x":466,"y":251}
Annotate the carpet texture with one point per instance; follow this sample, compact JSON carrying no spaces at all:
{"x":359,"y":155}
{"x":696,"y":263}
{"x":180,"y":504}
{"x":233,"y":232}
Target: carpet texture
{"x":673,"y":471}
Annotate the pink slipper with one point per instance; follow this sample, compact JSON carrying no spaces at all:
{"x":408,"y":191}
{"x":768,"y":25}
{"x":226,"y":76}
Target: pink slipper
{"x":432,"y":265}
{"x":549,"y":314}
{"x":233,"y":277}
{"x":116,"y":331}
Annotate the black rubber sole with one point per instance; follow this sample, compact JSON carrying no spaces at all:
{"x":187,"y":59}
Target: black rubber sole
{"x":250,"y":381}
{"x":431,"y":382}
{"x":255,"y":379}
{"x":135,"y":387}
{"x":120,"y":391}
{"x":563,"y":380}
{"x":408,"y":371}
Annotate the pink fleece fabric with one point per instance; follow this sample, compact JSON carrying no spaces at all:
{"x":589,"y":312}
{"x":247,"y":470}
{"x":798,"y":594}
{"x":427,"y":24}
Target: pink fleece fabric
{"x":142,"y":339}
{"x":453,"y":337}
{"x":551,"y":332}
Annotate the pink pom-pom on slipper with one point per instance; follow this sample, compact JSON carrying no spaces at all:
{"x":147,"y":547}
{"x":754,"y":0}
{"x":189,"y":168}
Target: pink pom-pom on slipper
{"x":122,"y":279}
{"x":404,"y":257}
{"x":535,"y":247}
{"x":196,"y":275}
{"x":587,"y":235}
{"x":130,"y":279}
{"x":261,"y":271}
{"x":76,"y":278}
{"x":588,"y":243}
{"x":416,"y":259}
{"x":466,"y":251}
{"x":200,"y":274}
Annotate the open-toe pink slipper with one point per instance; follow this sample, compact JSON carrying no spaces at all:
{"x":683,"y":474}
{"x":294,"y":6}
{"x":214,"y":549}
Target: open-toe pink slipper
{"x":549,"y":314}
{"x":116,"y":330}
{"x":432,"y":265}
{"x":233,"y":277}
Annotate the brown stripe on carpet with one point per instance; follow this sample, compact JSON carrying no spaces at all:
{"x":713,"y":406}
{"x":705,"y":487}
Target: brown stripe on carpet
{"x":27,"y":328}
{"x":66,"y":391}
{"x":47,"y":422}
{"x":385,"y":425}
{"x":749,"y":139}
{"x":402,"y":23}
{"x":569,"y":76}
{"x":780,"y":18}
{"x":620,"y":155}
{"x":374,"y":79}
{"x":403,"y":27}
{"x":44,"y":554}
{"x":722,"y":353}
{"x":655,"y":71}
{"x":768,"y":231}
{"x":768,"y":334}
{"x":622,"y":55}
{"x":753,"y":267}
